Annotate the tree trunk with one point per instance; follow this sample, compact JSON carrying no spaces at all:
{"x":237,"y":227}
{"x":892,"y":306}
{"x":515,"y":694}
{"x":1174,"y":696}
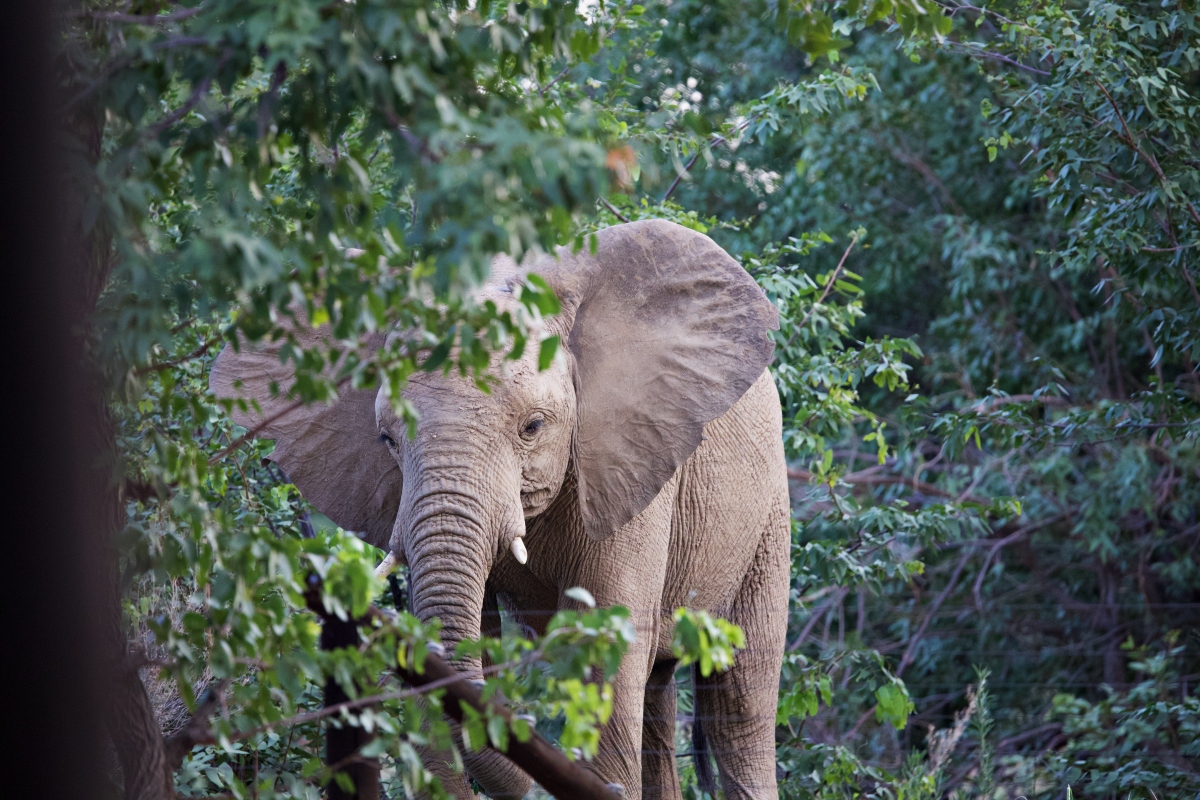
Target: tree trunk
{"x":342,"y":744}
{"x":128,"y":712}
{"x":52,"y":701}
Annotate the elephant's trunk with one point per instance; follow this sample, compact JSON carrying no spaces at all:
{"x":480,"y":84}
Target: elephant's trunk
{"x":450,"y":545}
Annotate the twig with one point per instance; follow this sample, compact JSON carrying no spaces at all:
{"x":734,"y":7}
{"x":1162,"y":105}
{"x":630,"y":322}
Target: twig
{"x":1158,"y":171}
{"x":614,"y":210}
{"x":919,"y":164}
{"x":865,"y":716}
{"x":987,"y":562}
{"x":124,"y":61}
{"x":955,"y":8}
{"x":998,"y":57}
{"x":257,"y":429}
{"x":1166,"y":249}
{"x":163,"y":365}
{"x":413,"y":141}
{"x":828,"y":287}
{"x":1157,"y":365}
{"x":547,"y":765}
{"x":713,"y":142}
{"x":907,"y":658}
{"x":992,"y":403}
{"x":817,"y":613}
{"x":193,"y":100}
{"x":866,"y":478}
{"x":556,"y":79}
{"x":686,"y":168}
{"x":140,"y":19}
{"x":360,"y":703}
{"x":372,"y":700}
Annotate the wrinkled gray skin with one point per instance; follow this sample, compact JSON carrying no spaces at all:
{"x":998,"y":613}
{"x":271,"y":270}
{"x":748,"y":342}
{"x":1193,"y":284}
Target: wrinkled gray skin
{"x":646,"y":465}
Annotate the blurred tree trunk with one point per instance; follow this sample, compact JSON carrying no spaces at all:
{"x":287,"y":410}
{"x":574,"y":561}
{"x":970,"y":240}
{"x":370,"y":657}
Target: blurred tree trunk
{"x":57,"y":516}
{"x":128,"y":713}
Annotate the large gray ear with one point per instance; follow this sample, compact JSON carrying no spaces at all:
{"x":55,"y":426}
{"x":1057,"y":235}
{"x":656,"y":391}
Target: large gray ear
{"x":332,"y":453}
{"x":667,"y":332}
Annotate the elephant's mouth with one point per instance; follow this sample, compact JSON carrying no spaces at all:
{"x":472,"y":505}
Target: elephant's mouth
{"x":534,"y":500}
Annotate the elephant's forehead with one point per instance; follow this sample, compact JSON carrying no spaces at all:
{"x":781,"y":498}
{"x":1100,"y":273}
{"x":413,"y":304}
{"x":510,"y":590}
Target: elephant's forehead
{"x":517,"y":385}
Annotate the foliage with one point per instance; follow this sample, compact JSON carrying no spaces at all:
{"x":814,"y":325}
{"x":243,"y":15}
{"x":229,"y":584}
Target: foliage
{"x":1139,"y":742}
{"x":1024,"y":181}
{"x":979,"y":226}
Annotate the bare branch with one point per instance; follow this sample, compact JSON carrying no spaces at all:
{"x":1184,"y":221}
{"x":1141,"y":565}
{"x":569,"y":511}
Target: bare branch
{"x":998,"y":57}
{"x":828,"y":286}
{"x":1166,"y":249}
{"x":817,"y":614}
{"x":415,"y":142}
{"x":614,"y":210}
{"x":917,"y":163}
{"x":907,"y":658}
{"x":713,"y":142}
{"x":866,"y":478}
{"x":165,"y":365}
{"x":556,"y":79}
{"x":193,"y":100}
{"x":1129,"y":139}
{"x":257,"y":429}
{"x":140,"y":19}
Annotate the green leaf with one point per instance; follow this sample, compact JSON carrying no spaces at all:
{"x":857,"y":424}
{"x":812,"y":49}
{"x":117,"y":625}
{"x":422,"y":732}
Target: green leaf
{"x":549,"y":348}
{"x":893,"y":704}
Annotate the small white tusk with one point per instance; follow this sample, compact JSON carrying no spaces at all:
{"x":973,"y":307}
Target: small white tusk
{"x":518,"y":550}
{"x":386,"y":566}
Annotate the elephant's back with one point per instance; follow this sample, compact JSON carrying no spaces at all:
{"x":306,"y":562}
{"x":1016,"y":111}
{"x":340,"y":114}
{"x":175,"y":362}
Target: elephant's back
{"x":730,"y":492}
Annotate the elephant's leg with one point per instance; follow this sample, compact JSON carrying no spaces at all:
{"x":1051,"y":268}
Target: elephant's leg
{"x":660,"y":780}
{"x":619,"y":756}
{"x":619,"y":759}
{"x":738,"y":706}
{"x":441,"y":764}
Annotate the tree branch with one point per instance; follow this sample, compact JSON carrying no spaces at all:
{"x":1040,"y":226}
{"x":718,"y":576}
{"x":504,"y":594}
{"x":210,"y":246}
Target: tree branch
{"x":817,"y":613}
{"x":998,"y":57}
{"x":866,"y":478}
{"x":550,"y":767}
{"x":257,"y":429}
{"x":828,"y":286}
{"x":906,"y":659}
{"x":1129,"y":139}
{"x":165,"y":365}
{"x":917,"y":163}
{"x":140,"y":19}
{"x":713,"y":142}
{"x":418,"y":145}
{"x":614,"y":210}
{"x":556,"y":79}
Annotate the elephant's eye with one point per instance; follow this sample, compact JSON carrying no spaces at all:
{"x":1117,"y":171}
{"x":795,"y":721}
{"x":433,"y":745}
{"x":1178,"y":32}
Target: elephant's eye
{"x":533,"y":426}
{"x":386,"y":439}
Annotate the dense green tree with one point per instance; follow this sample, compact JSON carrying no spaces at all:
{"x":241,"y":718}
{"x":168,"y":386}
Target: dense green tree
{"x":978,"y":225}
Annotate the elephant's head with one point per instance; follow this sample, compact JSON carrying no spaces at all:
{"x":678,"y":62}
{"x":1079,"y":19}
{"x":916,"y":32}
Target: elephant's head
{"x":663,"y":332}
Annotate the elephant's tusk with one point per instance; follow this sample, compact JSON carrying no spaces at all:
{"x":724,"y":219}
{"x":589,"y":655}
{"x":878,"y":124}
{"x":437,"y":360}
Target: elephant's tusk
{"x":386,"y":566}
{"x":518,"y":550}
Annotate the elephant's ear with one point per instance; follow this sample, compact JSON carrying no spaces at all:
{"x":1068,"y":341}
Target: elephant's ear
{"x":667,"y":332}
{"x":331,"y":452}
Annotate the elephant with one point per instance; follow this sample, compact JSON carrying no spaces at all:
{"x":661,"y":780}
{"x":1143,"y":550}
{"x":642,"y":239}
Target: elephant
{"x":645,"y":464}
